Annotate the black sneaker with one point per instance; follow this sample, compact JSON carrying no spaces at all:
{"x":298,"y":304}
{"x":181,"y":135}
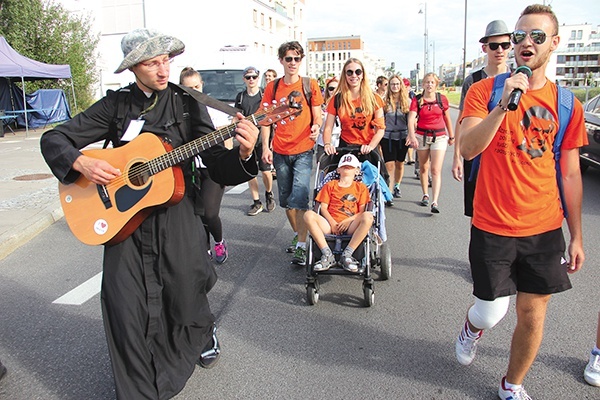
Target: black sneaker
{"x":211,"y":353}
{"x":299,"y":256}
{"x":255,"y":209}
{"x":397,"y":192}
{"x":270,"y":201}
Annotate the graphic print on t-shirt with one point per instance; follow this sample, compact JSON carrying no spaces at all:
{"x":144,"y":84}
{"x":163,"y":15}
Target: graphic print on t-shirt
{"x":359,"y":121}
{"x":348,"y":204}
{"x":538,"y":127}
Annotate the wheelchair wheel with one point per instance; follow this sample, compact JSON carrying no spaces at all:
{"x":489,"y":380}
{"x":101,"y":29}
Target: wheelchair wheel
{"x":369,"y":294}
{"x":312,"y":295}
{"x":386,"y":262}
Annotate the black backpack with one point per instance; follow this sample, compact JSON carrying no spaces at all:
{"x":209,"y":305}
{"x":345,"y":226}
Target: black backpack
{"x":438,"y":99}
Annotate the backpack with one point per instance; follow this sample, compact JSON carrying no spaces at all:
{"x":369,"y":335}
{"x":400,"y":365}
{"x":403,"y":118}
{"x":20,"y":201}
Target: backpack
{"x":565,"y":100}
{"x":305,"y":88}
{"x":240,"y":97}
{"x":116,"y":129}
{"x":438,"y":99}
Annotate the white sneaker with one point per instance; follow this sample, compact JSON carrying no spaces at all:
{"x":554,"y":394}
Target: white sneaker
{"x":512,"y":394}
{"x":466,"y":347}
{"x":592,"y":370}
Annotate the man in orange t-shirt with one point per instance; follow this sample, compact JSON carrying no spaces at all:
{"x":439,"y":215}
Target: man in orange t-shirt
{"x":517,"y":244}
{"x":293,"y":143}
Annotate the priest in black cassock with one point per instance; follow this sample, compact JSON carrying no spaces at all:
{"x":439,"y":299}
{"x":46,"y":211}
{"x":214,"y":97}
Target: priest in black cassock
{"x":156,"y":314}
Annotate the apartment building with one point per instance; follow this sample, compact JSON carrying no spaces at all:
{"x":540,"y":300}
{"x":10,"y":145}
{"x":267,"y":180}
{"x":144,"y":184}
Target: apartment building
{"x":578,"y":57}
{"x":326,"y":57}
{"x":225,"y":34}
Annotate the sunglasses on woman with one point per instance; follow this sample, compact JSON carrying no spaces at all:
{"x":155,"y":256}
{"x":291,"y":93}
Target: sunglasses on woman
{"x":289,"y":59}
{"x":494,"y":46}
{"x":537,"y":36}
{"x":358,"y":72}
{"x":331,"y":88}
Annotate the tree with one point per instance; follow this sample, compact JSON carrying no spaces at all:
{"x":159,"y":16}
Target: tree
{"x":45,"y":31}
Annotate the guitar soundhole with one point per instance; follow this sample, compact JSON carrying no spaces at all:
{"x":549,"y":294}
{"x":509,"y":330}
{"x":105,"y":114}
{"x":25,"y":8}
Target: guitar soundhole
{"x":138,"y":174}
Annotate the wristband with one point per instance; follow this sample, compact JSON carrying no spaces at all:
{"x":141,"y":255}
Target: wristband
{"x":500,"y":106}
{"x":327,"y":144}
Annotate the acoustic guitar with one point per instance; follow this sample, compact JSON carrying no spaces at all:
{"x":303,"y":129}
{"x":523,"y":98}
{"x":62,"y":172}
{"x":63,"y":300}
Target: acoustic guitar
{"x":150,"y":178}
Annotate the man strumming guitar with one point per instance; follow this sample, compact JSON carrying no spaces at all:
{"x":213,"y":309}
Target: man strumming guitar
{"x":154,"y":291}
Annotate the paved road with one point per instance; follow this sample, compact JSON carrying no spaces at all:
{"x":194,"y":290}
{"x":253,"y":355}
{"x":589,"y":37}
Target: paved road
{"x":275,"y":346}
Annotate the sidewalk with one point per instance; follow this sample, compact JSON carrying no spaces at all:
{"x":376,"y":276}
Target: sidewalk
{"x":28,"y":191}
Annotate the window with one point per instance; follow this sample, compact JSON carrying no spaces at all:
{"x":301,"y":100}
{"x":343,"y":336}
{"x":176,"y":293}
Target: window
{"x":573,"y":33}
{"x":255,"y":17}
{"x":579,"y":34}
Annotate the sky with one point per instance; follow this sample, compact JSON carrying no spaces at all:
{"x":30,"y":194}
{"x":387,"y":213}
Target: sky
{"x":394,"y":30}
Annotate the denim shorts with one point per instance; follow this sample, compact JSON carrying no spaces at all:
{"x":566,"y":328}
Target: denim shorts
{"x":293,"y":179}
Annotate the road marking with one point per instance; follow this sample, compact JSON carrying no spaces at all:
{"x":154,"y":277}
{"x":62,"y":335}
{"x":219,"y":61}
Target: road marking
{"x":239,"y":189}
{"x":81,"y":293}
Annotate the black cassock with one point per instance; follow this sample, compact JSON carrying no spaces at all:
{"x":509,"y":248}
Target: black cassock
{"x":155,"y":283}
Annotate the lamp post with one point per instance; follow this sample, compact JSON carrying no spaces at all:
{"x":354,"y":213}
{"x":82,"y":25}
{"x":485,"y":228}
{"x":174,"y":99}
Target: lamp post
{"x":423,"y":11}
{"x":464,"y":66}
{"x":433,"y":56}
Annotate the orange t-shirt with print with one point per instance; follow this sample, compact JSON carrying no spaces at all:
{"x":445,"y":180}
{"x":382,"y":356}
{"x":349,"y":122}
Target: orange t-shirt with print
{"x":517,"y":193}
{"x":343,"y":202}
{"x":357,"y":128}
{"x":293,"y":136}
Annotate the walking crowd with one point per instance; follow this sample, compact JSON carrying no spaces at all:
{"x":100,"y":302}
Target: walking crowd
{"x":155,"y":307}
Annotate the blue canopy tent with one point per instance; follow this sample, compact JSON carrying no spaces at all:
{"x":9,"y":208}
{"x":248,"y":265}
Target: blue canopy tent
{"x":13,"y":67}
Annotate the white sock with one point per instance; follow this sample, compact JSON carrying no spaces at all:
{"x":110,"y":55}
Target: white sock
{"x":301,"y":244}
{"x":511,"y":386}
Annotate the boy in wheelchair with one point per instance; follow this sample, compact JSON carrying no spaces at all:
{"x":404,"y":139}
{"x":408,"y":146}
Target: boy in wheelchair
{"x":342,"y":212}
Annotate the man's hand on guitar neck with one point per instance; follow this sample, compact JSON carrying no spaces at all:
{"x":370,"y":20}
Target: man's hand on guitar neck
{"x":247,"y":134}
{"x":96,"y":170}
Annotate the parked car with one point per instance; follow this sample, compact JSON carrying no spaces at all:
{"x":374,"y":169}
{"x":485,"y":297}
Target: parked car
{"x":590,"y":154}
{"x":224,"y":85}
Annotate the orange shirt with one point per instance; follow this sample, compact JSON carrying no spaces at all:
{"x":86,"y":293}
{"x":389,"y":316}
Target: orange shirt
{"x":343,"y":202}
{"x":292,"y":137}
{"x":516,"y":193}
{"x":357,"y":128}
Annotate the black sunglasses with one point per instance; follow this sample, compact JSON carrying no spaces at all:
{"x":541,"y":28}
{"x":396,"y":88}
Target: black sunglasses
{"x":331,"y":88}
{"x":494,"y":46}
{"x":538,"y":36}
{"x":248,"y":77}
{"x":358,"y":72}
{"x":289,"y":59}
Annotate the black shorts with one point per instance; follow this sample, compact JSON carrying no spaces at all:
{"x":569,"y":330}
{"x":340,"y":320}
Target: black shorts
{"x":502,"y":266}
{"x":469,"y":187}
{"x":393,"y":150}
{"x":262,"y":166}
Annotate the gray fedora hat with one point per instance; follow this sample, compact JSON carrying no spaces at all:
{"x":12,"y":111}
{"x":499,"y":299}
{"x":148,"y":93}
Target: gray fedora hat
{"x":143,"y":44}
{"x":495,"y":28}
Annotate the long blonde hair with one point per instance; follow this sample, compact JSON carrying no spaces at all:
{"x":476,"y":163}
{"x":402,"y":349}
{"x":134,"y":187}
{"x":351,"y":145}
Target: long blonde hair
{"x":403,"y":99}
{"x":367,"y":97}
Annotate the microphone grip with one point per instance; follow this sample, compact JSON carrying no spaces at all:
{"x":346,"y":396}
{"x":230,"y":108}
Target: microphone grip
{"x":513,"y":100}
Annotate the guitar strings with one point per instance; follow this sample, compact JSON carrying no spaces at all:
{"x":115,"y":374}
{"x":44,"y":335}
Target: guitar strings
{"x":189,"y":148}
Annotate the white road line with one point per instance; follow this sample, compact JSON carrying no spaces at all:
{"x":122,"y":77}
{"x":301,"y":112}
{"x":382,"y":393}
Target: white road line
{"x":239,"y":189}
{"x":81,"y":293}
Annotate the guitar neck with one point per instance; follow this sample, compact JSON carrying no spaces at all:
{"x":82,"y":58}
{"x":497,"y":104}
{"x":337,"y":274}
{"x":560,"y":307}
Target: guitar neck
{"x":194,"y":147}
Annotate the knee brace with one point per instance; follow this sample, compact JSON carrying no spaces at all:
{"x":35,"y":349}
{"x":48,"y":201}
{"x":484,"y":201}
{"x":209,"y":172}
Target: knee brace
{"x":486,"y":314}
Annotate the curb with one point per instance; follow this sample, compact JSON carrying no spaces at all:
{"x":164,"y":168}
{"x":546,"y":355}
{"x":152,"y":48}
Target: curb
{"x":30,"y":228}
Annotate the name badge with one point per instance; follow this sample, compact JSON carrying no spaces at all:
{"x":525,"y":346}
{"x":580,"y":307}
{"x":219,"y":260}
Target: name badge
{"x":133,"y":130}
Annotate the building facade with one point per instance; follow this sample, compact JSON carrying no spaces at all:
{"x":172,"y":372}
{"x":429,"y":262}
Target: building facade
{"x":578,"y":57}
{"x":229,"y":35}
{"x":326,"y":57}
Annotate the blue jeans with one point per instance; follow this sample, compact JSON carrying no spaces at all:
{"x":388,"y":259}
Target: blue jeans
{"x":293,"y":179}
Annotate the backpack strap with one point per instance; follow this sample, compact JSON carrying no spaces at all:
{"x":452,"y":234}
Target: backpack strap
{"x":115,"y":127}
{"x":565,"y":112}
{"x":438,"y":98}
{"x":477,"y":75}
{"x":497,"y":89}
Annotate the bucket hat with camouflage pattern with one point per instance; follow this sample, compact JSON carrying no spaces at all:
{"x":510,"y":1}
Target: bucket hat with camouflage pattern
{"x":143,"y":44}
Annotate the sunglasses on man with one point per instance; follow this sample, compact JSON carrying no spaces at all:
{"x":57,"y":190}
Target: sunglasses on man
{"x":289,"y":59}
{"x":248,"y":77}
{"x":494,"y":46}
{"x":537,"y":36}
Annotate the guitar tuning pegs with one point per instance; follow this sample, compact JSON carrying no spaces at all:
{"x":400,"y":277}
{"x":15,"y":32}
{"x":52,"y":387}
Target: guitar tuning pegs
{"x":282,"y":122}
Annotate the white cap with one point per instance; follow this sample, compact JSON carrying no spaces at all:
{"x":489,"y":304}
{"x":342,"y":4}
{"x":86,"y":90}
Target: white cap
{"x":349,"y":159}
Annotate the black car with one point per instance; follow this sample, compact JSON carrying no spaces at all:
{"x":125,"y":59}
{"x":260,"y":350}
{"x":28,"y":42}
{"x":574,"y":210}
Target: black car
{"x":590,"y":154}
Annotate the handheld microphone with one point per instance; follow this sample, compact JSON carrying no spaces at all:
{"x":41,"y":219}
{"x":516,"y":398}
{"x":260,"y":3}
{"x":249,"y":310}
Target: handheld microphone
{"x":515,"y":96}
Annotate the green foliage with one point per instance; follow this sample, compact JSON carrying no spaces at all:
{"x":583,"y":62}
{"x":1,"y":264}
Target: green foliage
{"x":46,"y":32}
{"x":580,"y":93}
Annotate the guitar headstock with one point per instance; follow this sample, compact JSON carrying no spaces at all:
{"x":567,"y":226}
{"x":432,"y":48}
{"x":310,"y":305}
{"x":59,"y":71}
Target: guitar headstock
{"x":280,"y":111}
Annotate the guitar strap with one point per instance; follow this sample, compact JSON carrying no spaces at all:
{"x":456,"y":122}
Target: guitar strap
{"x":210,"y":102}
